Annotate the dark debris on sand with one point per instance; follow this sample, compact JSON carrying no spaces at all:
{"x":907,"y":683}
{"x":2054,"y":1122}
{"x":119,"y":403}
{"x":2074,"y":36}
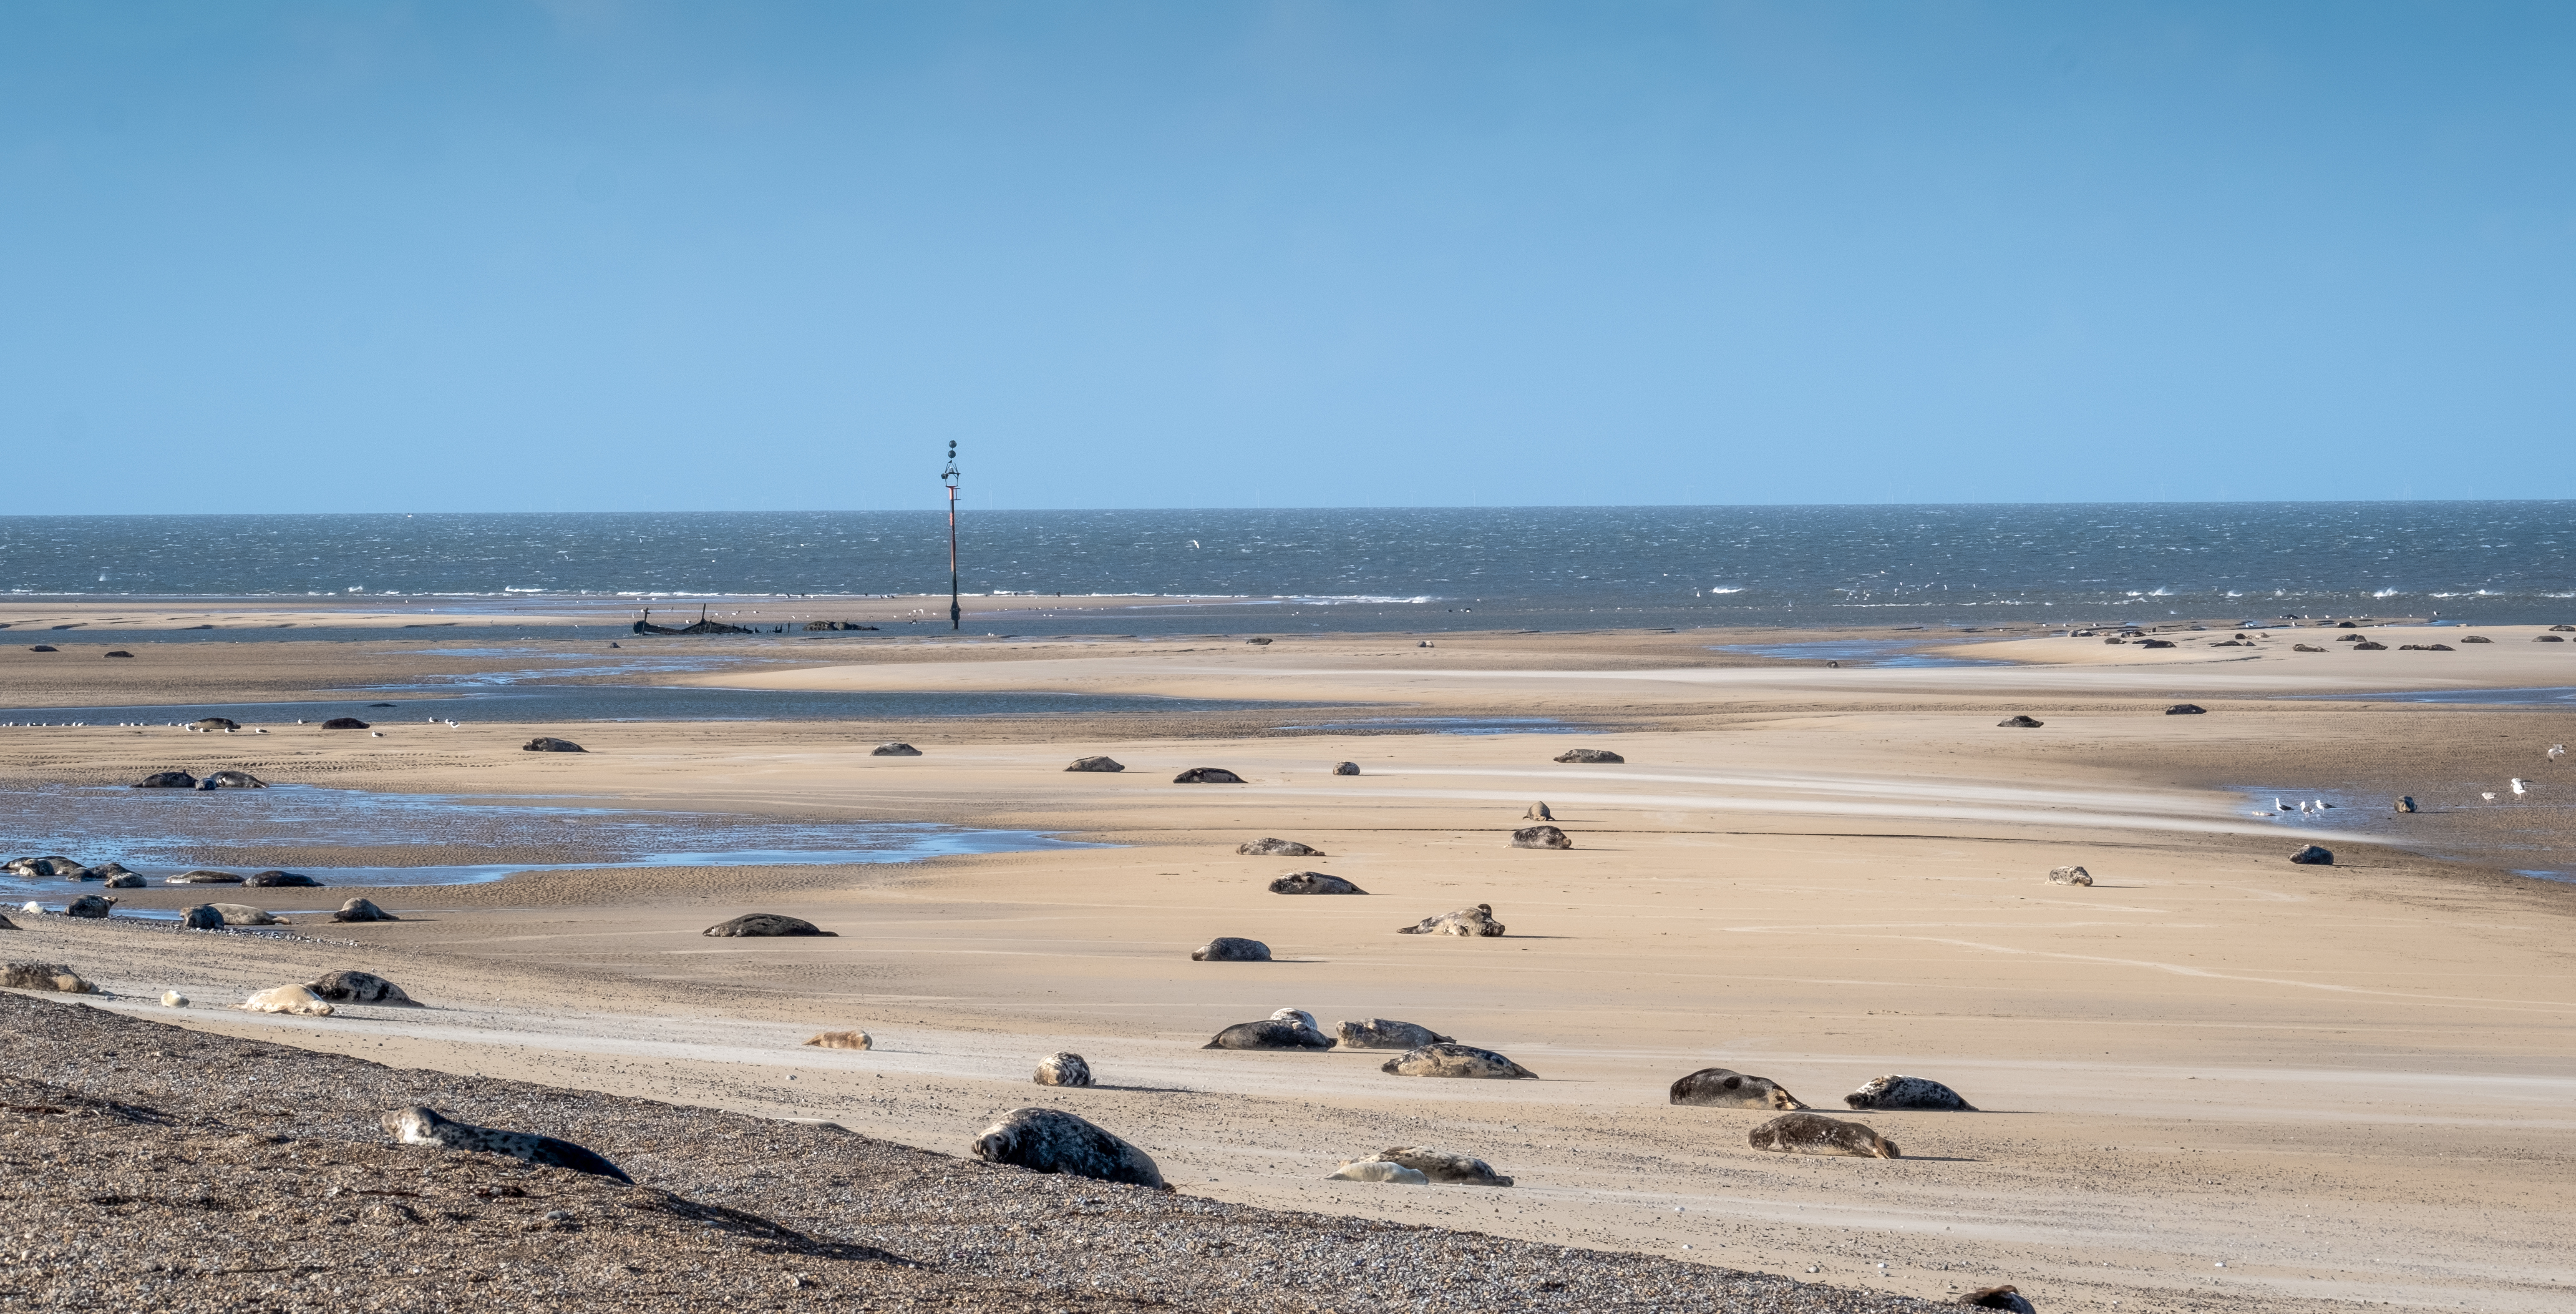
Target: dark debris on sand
{"x":154,"y":1167}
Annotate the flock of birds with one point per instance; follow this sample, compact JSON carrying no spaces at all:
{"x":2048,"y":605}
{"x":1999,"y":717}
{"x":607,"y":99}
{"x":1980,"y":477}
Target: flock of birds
{"x":2521,"y":788}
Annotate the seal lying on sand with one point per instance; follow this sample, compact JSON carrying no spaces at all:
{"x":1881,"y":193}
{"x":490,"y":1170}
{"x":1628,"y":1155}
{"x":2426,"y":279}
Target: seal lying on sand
{"x":1724,"y":1088}
{"x":6,"y":924}
{"x":897,"y":749}
{"x":1231,"y":949}
{"x":362,"y":910}
{"x":1443,"y":1166}
{"x":2314,"y":855}
{"x":1478,"y":920}
{"x":1297,"y":1015}
{"x":1277,"y":848}
{"x":1378,"y":1170}
{"x":281,"y":879}
{"x":202,"y":876}
{"x":232,"y":780}
{"x":1996,"y":1298}
{"x":89,"y":905}
{"x":1814,"y":1133}
{"x":2021,"y":723}
{"x":1346,"y":768}
{"x":1453,"y":1060}
{"x":1052,"y":1141}
{"x":1207,"y":776}
{"x":1540,"y":837}
{"x":841,"y":1040}
{"x":1384,"y":1033}
{"x":1270,"y":1033}
{"x":167,"y":780}
{"x":2069,"y":876}
{"x":1903,"y":1092}
{"x":1538,"y":812}
{"x":361,"y":988}
{"x":125,"y":880}
{"x":1591,"y":756}
{"x":287,"y":999}
{"x":1313,"y":882}
{"x":44,"y":976}
{"x":1096,"y":764}
{"x":550,"y":744}
{"x":1066,"y":1069}
{"x":766,"y":924}
{"x":242,"y":914}
{"x":421,"y":1125}
{"x":203,"y":917}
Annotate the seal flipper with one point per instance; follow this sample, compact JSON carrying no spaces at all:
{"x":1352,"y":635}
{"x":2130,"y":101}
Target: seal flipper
{"x":580,"y":1159}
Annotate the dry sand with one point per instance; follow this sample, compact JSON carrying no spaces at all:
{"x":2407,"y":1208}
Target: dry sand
{"x":2211,"y":1080}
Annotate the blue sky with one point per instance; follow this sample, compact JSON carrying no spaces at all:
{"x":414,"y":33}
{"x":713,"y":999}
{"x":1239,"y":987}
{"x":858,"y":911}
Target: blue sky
{"x":587,"y":255}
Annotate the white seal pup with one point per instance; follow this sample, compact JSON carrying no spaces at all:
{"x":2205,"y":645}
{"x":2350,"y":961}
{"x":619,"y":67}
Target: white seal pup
{"x":766,"y":924}
{"x":421,"y":1125}
{"x":1231,"y":949}
{"x":1272,"y":847}
{"x":2069,"y":876}
{"x":2004,"y":1298}
{"x":1814,"y":1133}
{"x":352,"y":987}
{"x":1724,"y":1088}
{"x":1540,"y":837}
{"x":841,"y":1040}
{"x":1297,"y":1015}
{"x":362,"y":910}
{"x":1378,"y":1170}
{"x":1475,"y":921}
{"x":1897,"y":1091}
{"x":1452,"y":1060}
{"x":1053,"y":1141}
{"x":1270,"y":1033}
{"x":173,"y":999}
{"x":1382,"y":1033}
{"x":1313,"y":882}
{"x":1445,"y":1166}
{"x":242,"y":914}
{"x":1066,"y":1069}
{"x":287,"y":999}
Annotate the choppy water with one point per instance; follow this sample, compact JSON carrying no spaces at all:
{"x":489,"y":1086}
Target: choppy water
{"x":1451,"y":568}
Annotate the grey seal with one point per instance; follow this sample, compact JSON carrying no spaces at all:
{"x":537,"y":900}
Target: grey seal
{"x":1378,"y":1170}
{"x":550,"y":744}
{"x":212,"y":723}
{"x":91,"y":906}
{"x":1897,"y":1091}
{"x":766,"y":924}
{"x":896,"y":748}
{"x":6,"y":924}
{"x":1540,"y":837}
{"x":2314,"y":856}
{"x":1053,"y":1141}
{"x":106,"y":871}
{"x":1207,"y":776}
{"x":353,"y":987}
{"x":202,"y":876}
{"x":2005,"y":1297}
{"x":2186,"y":709}
{"x":2069,"y":876}
{"x":1065,"y":1069}
{"x":1725,"y":1088}
{"x":1814,"y":1133}
{"x":1270,"y":1033}
{"x":2021,"y":723}
{"x":1591,"y":756}
{"x":841,"y":1040}
{"x":345,"y":723}
{"x":53,"y":864}
{"x":1096,"y":764}
{"x":242,"y":914}
{"x":231,"y":780}
{"x":1385,"y":1033}
{"x":1231,"y":949}
{"x":1538,"y":812}
{"x":1453,"y":1060}
{"x":167,"y":780}
{"x":1475,"y":921}
{"x":362,"y":910}
{"x":282,"y":879}
{"x":1313,"y":882}
{"x":1277,"y":848}
{"x":126,"y":880}
{"x":1444,"y":1166}
{"x":421,"y":1125}
{"x":44,"y":976}
{"x":1346,"y":768}
{"x":203,"y":917}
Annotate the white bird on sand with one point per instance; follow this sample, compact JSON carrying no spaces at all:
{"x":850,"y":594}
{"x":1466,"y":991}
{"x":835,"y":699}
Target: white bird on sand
{"x":377,"y":734}
{"x":2488,"y":795}
{"x":2557,"y":751}
{"x":2520,"y":786}
{"x":451,"y":725}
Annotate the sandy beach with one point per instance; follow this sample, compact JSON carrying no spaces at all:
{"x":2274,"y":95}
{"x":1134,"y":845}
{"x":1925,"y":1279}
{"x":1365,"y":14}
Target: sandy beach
{"x":2210,"y":1080}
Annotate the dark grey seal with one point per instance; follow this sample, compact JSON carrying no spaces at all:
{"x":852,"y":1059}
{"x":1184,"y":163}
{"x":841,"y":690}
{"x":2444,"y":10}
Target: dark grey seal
{"x":232,"y":780}
{"x":1096,"y":764}
{"x":43,"y":647}
{"x":1313,"y":882}
{"x":1277,"y":848}
{"x":2313,"y":856}
{"x":1346,"y":768}
{"x":2004,"y":1297}
{"x":116,"y":652}
{"x":1814,"y":1133}
{"x":348,"y":987}
{"x":1540,"y":837}
{"x":1270,"y":1033}
{"x":1593,"y":756}
{"x":1231,"y":949}
{"x":1725,"y":1088}
{"x":1207,"y":776}
{"x":1898,"y":1091}
{"x":282,"y":880}
{"x":202,"y":876}
{"x":90,"y":906}
{"x":44,"y":976}
{"x":766,"y":924}
{"x":167,"y":780}
{"x":421,"y":1125}
{"x":362,"y":910}
{"x":203,"y":917}
{"x":550,"y":744}
{"x":2186,"y":709}
{"x":214,"y":723}
{"x":345,"y":723}
{"x":895,"y":749}
{"x":6,"y":924}
{"x":1052,"y":1141}
{"x":2021,"y":723}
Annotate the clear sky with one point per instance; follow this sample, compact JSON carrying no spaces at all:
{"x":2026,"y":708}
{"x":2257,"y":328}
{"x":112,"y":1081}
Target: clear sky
{"x":327,"y":255}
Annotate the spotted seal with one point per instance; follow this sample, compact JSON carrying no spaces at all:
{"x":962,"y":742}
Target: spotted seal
{"x":1277,"y":848}
{"x":1270,"y":1033}
{"x":1066,"y":1069}
{"x":766,"y":924}
{"x":362,"y":910}
{"x":841,"y":1040}
{"x":1383,"y":1033}
{"x":52,"y":864}
{"x":287,"y":999}
{"x":1444,"y":1165}
{"x":2314,"y":855}
{"x":1897,"y":1091}
{"x":1540,"y":837}
{"x":1475,"y":921}
{"x":125,"y":880}
{"x":1454,"y":1060}
{"x":422,"y":1125}
{"x":209,"y":724}
{"x":1231,"y":949}
{"x":1053,"y":1141}
{"x":1297,"y":1015}
{"x":1725,"y":1088}
{"x":1814,"y":1133}
{"x":1378,"y":1170}
{"x":354,"y":987}
{"x":1313,"y":882}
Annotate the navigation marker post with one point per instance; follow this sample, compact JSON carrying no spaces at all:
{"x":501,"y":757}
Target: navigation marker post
{"x":948,"y":476}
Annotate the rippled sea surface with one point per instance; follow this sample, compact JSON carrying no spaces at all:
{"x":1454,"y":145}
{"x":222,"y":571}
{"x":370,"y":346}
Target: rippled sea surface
{"x":1376,"y":569}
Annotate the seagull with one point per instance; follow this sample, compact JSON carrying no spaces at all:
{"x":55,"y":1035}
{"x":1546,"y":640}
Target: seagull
{"x":451,"y":725}
{"x":2279,"y":806}
{"x":2557,"y":751}
{"x":2322,"y":805}
{"x":2520,"y":786}
{"x":2488,"y":795}
{"x":376,"y":734}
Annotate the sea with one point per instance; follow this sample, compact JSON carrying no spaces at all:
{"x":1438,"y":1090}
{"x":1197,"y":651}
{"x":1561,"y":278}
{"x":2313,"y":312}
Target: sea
{"x":1374,"y":569}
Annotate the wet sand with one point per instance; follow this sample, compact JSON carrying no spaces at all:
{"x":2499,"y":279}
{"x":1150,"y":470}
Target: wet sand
{"x":2343,"y":1084}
